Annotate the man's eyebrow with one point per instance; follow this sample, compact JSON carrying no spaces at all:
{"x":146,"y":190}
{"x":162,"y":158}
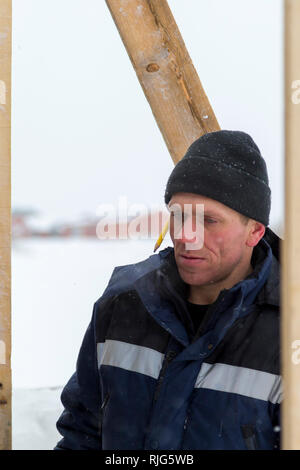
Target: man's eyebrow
{"x":212,"y":213}
{"x":207,"y":212}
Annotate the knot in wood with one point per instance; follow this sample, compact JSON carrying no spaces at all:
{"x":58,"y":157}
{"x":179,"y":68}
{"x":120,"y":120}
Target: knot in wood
{"x":152,"y":68}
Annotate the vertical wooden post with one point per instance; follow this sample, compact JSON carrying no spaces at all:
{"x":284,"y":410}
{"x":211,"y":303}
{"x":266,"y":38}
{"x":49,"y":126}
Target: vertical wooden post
{"x":291,"y":245}
{"x":165,"y":71}
{"x":5,"y":224}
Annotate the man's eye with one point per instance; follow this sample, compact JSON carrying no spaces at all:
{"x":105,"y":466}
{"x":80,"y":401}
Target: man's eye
{"x":210,"y":221}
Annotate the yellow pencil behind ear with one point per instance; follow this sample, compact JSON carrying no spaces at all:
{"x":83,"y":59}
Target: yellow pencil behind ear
{"x":161,"y":236}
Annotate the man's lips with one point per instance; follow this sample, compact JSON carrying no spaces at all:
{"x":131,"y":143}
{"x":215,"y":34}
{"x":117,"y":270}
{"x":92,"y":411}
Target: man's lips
{"x":192,"y":257}
{"x":191,"y":260}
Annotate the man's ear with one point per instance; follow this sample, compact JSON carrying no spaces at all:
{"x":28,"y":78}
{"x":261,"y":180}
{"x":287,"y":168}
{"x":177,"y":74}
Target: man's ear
{"x":256,"y":232}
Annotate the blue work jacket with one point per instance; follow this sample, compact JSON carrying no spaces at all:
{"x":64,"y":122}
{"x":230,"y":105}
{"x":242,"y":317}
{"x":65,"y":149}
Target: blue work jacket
{"x":145,"y":379}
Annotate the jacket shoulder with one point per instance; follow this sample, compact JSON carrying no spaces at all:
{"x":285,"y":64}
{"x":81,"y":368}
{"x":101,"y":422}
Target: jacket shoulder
{"x":120,"y":291}
{"x":124,"y":277}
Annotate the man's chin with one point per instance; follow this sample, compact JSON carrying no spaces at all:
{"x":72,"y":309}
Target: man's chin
{"x":194,"y":279}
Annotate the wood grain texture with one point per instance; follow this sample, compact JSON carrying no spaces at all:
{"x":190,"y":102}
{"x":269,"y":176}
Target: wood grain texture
{"x":291,"y":245}
{"x":165,"y":71}
{"x":5,"y":224}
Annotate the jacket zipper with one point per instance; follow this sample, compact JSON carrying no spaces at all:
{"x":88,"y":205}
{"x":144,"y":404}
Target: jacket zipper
{"x":180,"y":303}
{"x":206,"y":320}
{"x":168,"y":358}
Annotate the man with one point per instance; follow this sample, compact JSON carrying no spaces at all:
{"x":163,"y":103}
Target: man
{"x":182,"y":351}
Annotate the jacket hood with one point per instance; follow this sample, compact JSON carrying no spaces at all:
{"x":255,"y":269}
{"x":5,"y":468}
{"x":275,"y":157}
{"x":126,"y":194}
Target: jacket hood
{"x":270,"y":293}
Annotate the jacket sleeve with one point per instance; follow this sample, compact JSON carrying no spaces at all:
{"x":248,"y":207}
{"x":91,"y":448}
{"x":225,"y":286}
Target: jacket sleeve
{"x":80,"y":422}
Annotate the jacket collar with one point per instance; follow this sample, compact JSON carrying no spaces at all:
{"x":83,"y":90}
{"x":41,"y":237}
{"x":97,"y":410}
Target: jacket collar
{"x":270,"y":293}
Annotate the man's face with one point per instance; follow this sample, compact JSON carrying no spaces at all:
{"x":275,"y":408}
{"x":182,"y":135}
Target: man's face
{"x":223,"y":243}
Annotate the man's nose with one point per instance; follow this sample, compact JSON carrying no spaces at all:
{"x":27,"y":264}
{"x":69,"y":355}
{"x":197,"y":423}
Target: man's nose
{"x":190,"y":233}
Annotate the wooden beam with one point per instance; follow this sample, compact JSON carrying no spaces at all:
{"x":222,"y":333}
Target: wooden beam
{"x":165,"y":71}
{"x":5,"y":224}
{"x":291,"y":245}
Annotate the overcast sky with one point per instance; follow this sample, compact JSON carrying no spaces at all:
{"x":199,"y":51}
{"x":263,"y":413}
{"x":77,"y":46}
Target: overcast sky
{"x":82,"y":131}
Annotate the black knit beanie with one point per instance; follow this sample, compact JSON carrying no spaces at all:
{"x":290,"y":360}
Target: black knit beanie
{"x":226,"y":166}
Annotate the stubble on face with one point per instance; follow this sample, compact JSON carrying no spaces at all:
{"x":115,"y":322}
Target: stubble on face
{"x":224,"y":250}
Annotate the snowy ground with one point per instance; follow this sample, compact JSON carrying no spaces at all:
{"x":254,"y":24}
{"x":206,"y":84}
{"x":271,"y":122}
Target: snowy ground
{"x":35,"y":412}
{"x":55,"y":283}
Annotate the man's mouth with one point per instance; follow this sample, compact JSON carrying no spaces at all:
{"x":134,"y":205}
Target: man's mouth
{"x":192,"y":257}
{"x":191,"y":260}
